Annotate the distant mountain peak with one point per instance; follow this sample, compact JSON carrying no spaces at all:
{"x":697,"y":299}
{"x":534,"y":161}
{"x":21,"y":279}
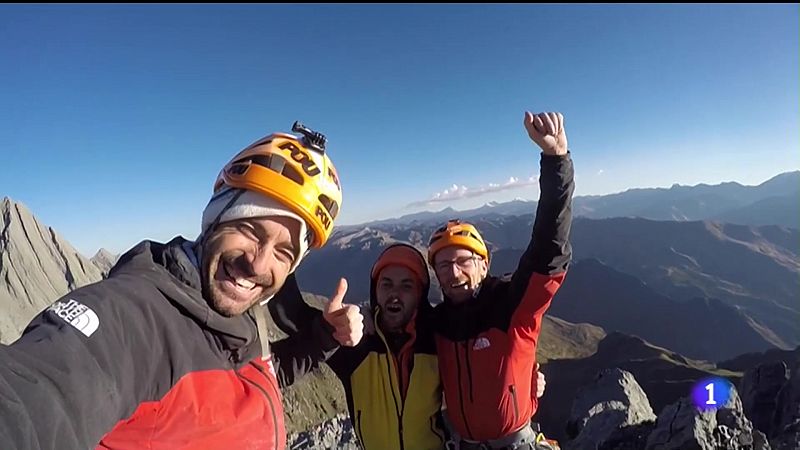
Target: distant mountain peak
{"x":103,"y":253}
{"x":105,"y":260}
{"x":795,"y":174}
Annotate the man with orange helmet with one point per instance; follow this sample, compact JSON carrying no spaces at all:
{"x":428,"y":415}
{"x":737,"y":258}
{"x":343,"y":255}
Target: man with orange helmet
{"x":487,"y":328}
{"x":171,"y":350}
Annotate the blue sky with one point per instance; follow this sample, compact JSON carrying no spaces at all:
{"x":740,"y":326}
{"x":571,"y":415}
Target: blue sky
{"x":115,"y":120}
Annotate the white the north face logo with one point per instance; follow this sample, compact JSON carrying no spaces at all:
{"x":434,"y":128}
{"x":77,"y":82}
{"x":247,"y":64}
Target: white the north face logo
{"x":481,"y":343}
{"x":76,"y":314}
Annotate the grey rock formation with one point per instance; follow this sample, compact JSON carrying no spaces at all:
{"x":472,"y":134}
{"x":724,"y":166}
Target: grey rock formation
{"x":759,"y":388}
{"x":614,"y":402}
{"x":681,"y":426}
{"x":786,"y":425}
{"x":104,"y":260}
{"x":37,"y":267}
{"x":336,"y":433}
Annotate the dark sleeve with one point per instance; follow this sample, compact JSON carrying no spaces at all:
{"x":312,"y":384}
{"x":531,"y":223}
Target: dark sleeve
{"x":345,"y":361}
{"x":80,"y":367}
{"x":288,"y":309}
{"x":338,"y":362}
{"x":544,"y":263}
{"x":301,"y":353}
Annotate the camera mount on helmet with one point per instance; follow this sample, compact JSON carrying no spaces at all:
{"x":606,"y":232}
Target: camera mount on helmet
{"x":315,"y":140}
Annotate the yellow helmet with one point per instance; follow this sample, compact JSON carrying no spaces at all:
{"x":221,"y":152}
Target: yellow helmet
{"x":294,"y":171}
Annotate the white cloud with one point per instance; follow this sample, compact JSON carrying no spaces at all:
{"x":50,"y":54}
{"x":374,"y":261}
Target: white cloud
{"x":600,"y":172}
{"x":456,"y":192}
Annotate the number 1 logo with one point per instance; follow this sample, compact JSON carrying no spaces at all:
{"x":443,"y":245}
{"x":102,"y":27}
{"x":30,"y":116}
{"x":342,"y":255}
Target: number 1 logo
{"x":711,"y":393}
{"x":710,"y":389}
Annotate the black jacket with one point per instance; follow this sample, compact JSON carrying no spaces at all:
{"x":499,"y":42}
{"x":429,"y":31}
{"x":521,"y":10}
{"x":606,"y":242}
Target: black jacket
{"x":140,"y":360}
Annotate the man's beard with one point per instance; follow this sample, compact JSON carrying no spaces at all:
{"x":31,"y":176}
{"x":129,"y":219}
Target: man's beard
{"x":393,"y":322}
{"x":219,"y":300}
{"x":467,"y":285}
{"x":397,"y":325}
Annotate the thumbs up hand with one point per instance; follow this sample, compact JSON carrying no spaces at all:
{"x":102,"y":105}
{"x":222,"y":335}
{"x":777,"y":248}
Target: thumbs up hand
{"x":347,"y":321}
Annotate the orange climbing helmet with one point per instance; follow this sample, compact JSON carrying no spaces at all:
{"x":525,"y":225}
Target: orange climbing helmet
{"x":460,"y":234}
{"x":294,"y":170}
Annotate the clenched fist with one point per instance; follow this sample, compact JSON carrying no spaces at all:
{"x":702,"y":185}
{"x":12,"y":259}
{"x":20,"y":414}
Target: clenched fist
{"x":547,"y":131}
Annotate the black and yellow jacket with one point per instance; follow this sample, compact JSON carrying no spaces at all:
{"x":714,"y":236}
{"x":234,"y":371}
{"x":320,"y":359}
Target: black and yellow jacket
{"x":394,"y":400}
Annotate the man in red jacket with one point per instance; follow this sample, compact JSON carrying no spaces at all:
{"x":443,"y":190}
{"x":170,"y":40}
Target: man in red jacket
{"x":487,"y":328}
{"x":171,"y":350}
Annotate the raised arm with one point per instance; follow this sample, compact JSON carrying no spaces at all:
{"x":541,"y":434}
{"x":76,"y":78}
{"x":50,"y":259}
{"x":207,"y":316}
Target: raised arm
{"x":543,"y":265}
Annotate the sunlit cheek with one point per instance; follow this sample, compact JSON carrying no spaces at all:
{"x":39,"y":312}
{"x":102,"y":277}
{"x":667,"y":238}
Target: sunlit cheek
{"x":281,"y":267}
{"x":281,"y":273}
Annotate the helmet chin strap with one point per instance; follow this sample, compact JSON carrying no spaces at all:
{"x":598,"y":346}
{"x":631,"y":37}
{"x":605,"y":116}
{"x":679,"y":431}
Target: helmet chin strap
{"x":476,"y":289}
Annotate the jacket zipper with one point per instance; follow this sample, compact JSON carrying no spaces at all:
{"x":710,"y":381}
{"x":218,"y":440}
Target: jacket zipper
{"x":469,"y":371}
{"x":461,"y":391}
{"x":271,"y":406}
{"x":397,"y":409}
{"x":513,"y":391}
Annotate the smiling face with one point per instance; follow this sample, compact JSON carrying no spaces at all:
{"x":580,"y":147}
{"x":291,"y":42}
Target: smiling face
{"x":398,"y":293}
{"x":459,"y":272}
{"x":246,"y":261}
